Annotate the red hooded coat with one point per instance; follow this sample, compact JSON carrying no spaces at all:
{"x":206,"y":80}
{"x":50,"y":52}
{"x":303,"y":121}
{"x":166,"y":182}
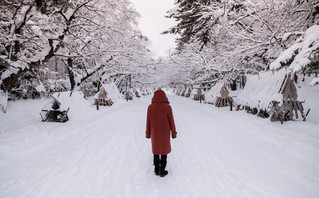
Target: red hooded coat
{"x":159,"y":123}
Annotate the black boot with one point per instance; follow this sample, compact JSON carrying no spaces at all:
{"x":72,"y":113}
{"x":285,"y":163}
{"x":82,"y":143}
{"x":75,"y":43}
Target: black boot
{"x":163,"y":172}
{"x":157,"y":165}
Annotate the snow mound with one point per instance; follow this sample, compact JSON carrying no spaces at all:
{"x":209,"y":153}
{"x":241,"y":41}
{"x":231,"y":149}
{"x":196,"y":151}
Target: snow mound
{"x":76,"y":102}
{"x":214,"y":93}
{"x":112,"y":92}
{"x":193,"y":92}
{"x":261,"y":89}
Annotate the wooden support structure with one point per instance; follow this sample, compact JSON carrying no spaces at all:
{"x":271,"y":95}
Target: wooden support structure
{"x":189,"y":91}
{"x":199,"y":96}
{"x":128,"y":95}
{"x":224,"y":100}
{"x":290,"y":105}
{"x":102,"y":99}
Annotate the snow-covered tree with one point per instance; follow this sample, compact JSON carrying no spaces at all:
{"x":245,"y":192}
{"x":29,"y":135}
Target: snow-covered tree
{"x":231,"y":35}
{"x":91,"y":37}
{"x":303,"y":55}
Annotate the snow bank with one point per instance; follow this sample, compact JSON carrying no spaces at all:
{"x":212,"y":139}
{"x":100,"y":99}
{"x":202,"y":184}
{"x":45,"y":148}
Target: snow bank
{"x":112,"y":92}
{"x":193,"y":92}
{"x":311,"y":95}
{"x":76,"y":102}
{"x":213,"y":93}
{"x":261,"y":89}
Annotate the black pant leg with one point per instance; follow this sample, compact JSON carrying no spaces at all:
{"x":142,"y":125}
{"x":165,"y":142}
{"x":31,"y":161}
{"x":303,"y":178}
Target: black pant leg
{"x":164,"y":158}
{"x":156,"y":158}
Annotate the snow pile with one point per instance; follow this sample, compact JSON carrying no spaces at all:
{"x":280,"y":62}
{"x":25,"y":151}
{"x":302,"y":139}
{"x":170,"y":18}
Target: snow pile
{"x":214,"y":92}
{"x":300,"y":52}
{"x":261,"y":89}
{"x":112,"y":92}
{"x":193,"y":92}
{"x":76,"y":102}
{"x":310,"y":94}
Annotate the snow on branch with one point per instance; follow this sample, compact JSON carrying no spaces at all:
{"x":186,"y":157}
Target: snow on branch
{"x":298,"y":56}
{"x":314,"y":82}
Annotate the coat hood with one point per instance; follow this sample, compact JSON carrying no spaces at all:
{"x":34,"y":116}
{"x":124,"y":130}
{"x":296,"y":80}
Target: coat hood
{"x":159,"y":97}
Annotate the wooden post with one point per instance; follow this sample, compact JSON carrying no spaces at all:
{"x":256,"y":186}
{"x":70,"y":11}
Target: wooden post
{"x":290,"y":110}
{"x":284,"y":86}
{"x":295,"y":108}
{"x":274,"y":110}
{"x":305,"y":116}
{"x":308,"y":112}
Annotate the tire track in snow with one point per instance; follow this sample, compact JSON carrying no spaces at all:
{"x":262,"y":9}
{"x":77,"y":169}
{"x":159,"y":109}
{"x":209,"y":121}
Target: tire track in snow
{"x":115,"y":145}
{"x":60,"y":170}
{"x":227,"y":148}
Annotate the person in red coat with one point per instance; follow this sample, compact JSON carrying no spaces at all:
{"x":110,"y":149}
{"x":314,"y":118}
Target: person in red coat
{"x":159,"y":125}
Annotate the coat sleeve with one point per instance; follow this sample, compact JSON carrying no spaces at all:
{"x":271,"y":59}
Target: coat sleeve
{"x":148,"y":124}
{"x":171,"y":122}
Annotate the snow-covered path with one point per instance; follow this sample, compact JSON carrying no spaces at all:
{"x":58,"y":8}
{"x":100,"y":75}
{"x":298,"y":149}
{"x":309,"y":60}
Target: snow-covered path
{"x":217,"y":153}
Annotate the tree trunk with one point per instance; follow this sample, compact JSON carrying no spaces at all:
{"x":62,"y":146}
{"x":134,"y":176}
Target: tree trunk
{"x":233,"y":85}
{"x":71,"y":74}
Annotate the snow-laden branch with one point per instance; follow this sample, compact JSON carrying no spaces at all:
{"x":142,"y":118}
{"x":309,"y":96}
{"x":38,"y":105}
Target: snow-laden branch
{"x":300,"y":53}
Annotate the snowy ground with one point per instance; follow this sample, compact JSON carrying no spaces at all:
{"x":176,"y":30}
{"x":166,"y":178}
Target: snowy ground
{"x":104,"y":153}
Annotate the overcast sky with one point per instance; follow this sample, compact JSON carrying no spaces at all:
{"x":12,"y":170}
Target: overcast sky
{"x":152,"y":23}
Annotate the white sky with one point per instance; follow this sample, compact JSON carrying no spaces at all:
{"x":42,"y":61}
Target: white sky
{"x":152,"y":23}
